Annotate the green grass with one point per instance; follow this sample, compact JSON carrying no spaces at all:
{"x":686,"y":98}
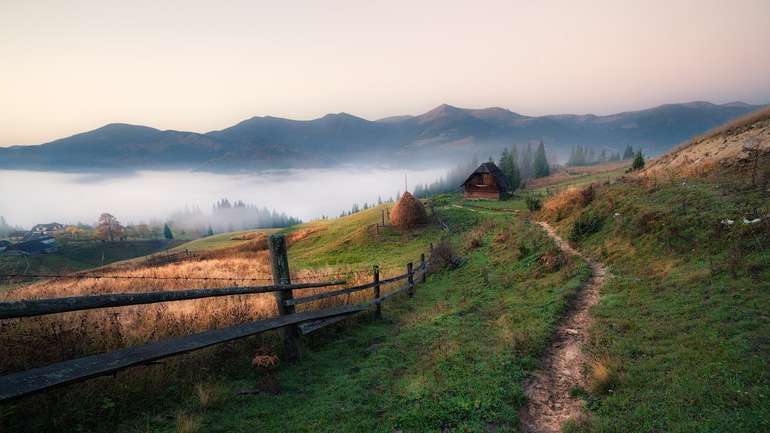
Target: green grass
{"x":453,"y":357}
{"x":353,"y":242}
{"x":219,"y":241}
{"x":685,"y":318}
{"x":80,"y":255}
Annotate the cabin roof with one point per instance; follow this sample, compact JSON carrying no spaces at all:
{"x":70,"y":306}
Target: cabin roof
{"x":497,"y":174}
{"x":49,"y":226}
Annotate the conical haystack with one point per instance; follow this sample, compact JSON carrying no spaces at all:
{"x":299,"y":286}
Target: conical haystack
{"x":408,"y":212}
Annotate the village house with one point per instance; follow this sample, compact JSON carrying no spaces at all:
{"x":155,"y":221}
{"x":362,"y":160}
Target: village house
{"x":47,"y":229}
{"x":486,"y":182}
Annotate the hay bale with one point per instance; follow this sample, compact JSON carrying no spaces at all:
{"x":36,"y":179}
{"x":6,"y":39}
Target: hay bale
{"x":408,"y":212}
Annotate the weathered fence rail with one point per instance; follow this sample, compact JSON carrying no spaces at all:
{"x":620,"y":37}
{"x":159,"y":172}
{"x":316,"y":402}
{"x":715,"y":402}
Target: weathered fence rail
{"x":17,"y":309}
{"x":288,"y":321}
{"x":169,"y":257}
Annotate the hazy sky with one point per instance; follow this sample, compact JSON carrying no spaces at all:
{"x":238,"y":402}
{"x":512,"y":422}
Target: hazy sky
{"x":71,"y":66}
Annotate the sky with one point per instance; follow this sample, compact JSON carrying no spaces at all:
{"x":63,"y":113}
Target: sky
{"x":69,"y":67}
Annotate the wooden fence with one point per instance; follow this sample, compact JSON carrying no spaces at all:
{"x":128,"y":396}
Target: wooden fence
{"x":169,"y":257}
{"x":291,"y":323}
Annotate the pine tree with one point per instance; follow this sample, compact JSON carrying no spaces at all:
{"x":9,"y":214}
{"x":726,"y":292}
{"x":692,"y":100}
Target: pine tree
{"x":514,"y":178}
{"x":167,"y":232}
{"x":505,"y":162}
{"x":509,"y":168}
{"x":210,"y":232}
{"x":525,"y":166}
{"x":541,"y":168}
{"x":628,"y":153}
{"x":638,"y":163}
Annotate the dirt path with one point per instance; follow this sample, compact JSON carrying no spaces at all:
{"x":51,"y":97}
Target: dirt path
{"x":548,"y":390}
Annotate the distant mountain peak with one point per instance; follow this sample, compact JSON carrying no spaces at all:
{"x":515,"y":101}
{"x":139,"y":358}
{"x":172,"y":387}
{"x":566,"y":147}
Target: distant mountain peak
{"x":442,"y":111}
{"x":341,"y":115}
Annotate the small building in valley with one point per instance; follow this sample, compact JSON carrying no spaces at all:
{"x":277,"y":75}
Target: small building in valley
{"x":486,"y":182}
{"x":47,"y":229}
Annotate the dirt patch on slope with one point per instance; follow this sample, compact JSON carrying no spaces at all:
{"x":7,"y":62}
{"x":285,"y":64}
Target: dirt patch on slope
{"x":548,"y":390}
{"x":728,"y":147}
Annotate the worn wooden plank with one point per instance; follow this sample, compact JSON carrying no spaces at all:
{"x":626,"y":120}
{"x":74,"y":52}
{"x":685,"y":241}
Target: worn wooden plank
{"x":27,"y":382}
{"x":319,"y":296}
{"x":39,"y":307}
{"x":308,"y":327}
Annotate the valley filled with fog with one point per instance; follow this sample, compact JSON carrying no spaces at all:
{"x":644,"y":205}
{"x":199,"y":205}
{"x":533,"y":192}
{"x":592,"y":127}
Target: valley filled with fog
{"x":32,"y":197}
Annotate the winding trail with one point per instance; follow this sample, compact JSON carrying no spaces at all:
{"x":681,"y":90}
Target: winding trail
{"x":549,"y":402}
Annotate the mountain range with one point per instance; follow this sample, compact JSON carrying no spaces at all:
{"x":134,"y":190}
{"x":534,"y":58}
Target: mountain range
{"x":442,"y":134}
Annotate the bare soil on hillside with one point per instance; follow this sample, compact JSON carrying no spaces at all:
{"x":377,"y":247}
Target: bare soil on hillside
{"x":561,"y":369}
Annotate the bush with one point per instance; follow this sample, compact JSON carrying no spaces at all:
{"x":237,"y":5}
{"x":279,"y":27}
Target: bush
{"x":442,"y":256}
{"x":533,"y":203}
{"x":586,"y":224}
{"x":474,"y":239}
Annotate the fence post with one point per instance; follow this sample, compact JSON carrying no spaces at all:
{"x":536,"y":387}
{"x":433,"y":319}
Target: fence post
{"x":410,"y":271}
{"x":280,"y":265}
{"x":382,"y":213}
{"x":376,"y":281}
{"x":424,"y":267}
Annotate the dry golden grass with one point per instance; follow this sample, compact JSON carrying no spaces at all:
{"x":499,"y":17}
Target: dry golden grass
{"x":562,"y":203}
{"x":603,"y":375}
{"x":187,"y":423}
{"x":69,"y":335}
{"x":735,"y":125}
{"x":208,"y":395}
{"x":567,"y":174}
{"x":727,"y":147}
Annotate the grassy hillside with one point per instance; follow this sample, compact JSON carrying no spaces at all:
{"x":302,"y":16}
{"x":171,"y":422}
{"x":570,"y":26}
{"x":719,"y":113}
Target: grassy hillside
{"x":451,"y":358}
{"x":80,"y":255}
{"x":454,"y":356}
{"x":680,"y":341}
{"x":222,"y":240}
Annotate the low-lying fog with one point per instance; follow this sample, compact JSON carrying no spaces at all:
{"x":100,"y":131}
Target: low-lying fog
{"x":32,"y":197}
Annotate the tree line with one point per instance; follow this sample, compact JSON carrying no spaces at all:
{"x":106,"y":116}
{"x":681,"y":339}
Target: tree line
{"x":518,"y":163}
{"x":584,"y":155}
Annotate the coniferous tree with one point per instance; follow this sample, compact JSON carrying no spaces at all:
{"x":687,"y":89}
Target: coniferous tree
{"x":509,"y":168}
{"x":541,"y":168}
{"x":167,"y":232}
{"x":505,"y":161}
{"x":628,"y":153}
{"x":638,"y":163}
{"x":210,"y":232}
{"x":525,"y":166}
{"x":514,"y":177}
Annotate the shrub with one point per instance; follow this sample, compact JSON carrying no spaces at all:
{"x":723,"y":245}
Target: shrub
{"x":533,"y":203}
{"x":474,"y":239}
{"x":587,"y":195}
{"x":603,"y":376}
{"x":586,"y":224}
{"x":562,"y":204}
{"x":553,"y":260}
{"x":442,"y":256}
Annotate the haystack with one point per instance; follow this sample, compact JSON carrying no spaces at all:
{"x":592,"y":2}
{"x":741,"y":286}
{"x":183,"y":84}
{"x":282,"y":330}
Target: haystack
{"x":408,"y":212}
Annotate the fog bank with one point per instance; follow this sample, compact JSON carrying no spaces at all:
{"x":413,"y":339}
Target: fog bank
{"x":32,"y":197}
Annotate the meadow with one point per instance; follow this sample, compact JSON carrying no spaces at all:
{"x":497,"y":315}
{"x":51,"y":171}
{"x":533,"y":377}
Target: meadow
{"x":503,"y":286}
{"x":679,"y":341}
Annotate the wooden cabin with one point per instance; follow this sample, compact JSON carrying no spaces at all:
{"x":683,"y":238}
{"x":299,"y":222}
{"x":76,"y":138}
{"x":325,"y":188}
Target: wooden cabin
{"x":486,"y":182}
